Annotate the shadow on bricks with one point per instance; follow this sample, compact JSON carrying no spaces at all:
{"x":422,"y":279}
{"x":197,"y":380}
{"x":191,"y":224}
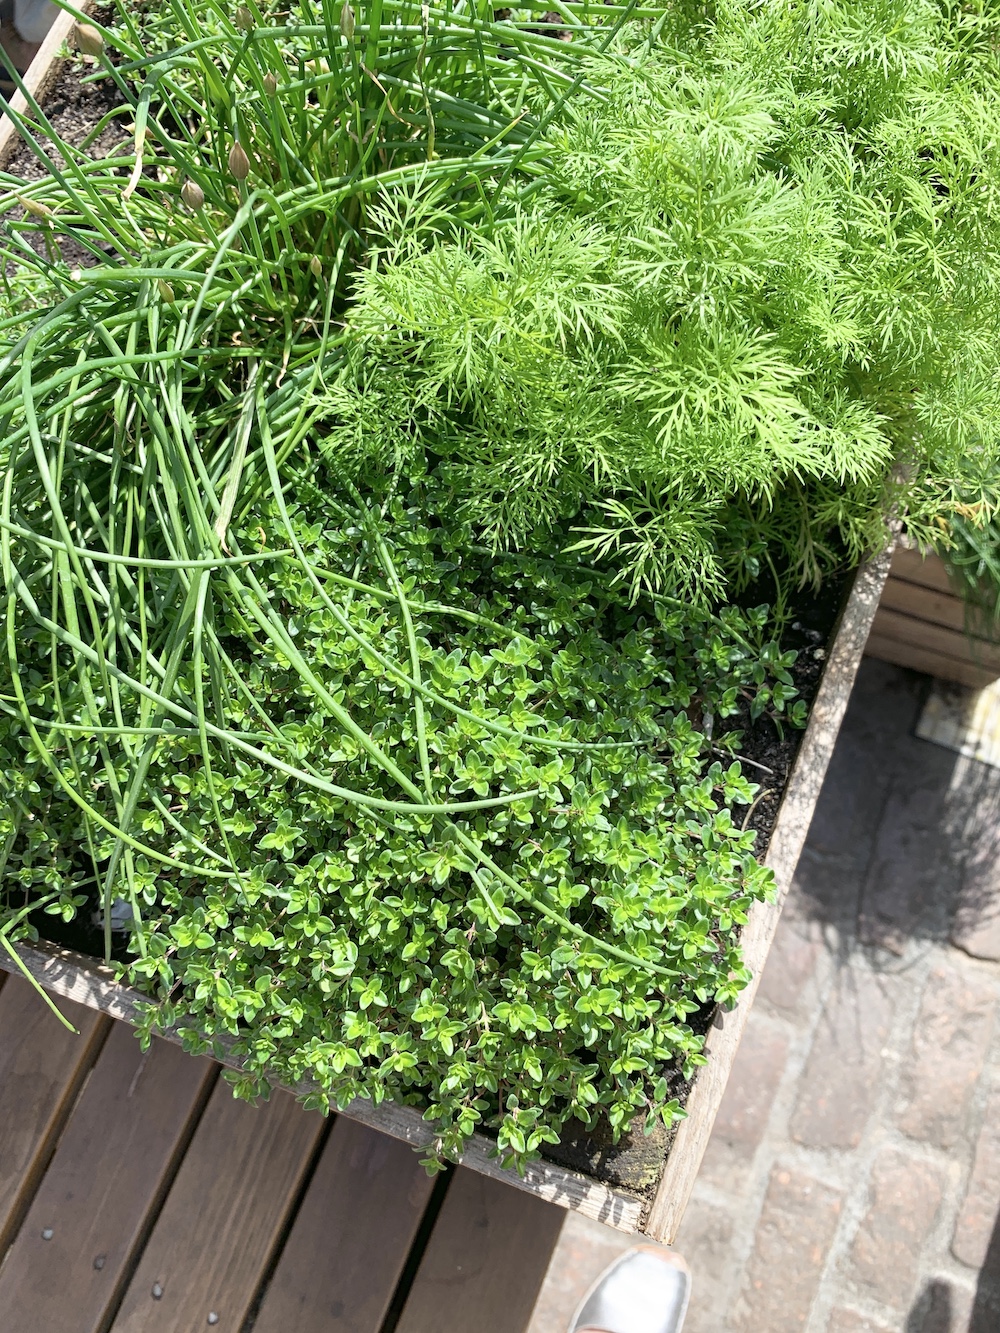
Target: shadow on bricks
{"x":852,"y":1182}
{"x":986,"y":1309}
{"x":904,"y":848}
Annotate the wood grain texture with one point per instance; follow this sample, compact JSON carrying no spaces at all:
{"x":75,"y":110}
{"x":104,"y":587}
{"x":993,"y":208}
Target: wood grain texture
{"x":485,"y":1261}
{"x":787,"y":840}
{"x":347,"y":1248}
{"x":930,"y":663}
{"x":42,"y":1067}
{"x":926,"y":571}
{"x":940,"y":608}
{"x":88,"y":982}
{"x":41,"y":75}
{"x":951,"y":643}
{"x":223,"y":1218}
{"x":98,"y":1197}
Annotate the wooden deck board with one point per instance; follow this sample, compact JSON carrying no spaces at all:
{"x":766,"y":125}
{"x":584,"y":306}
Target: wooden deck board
{"x":108,"y":1175}
{"x":485,"y":1261}
{"x":938,"y":639}
{"x":347,"y":1249}
{"x":930,"y":663}
{"x":909,"y":564}
{"x":42,"y":1067}
{"x":205,"y":1212}
{"x":223,"y":1218}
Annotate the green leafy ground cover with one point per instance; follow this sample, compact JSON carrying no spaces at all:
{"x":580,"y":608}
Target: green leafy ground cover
{"x":388,"y":426}
{"x":545,"y":952}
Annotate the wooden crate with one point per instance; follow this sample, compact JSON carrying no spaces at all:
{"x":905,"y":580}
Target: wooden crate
{"x":138,"y":1196}
{"x":85,"y":981}
{"x":921,"y":623}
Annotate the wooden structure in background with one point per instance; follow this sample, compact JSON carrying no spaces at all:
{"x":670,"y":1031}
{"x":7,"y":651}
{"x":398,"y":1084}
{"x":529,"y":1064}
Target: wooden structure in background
{"x":922,"y":623}
{"x":138,"y":1196}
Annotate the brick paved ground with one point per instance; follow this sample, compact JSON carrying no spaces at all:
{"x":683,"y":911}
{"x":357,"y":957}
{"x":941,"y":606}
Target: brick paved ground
{"x":852,"y":1184}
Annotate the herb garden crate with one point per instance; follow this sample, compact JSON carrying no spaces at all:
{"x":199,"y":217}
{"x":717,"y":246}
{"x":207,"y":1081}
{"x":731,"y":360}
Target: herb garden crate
{"x":656,"y":1204}
{"x":923,"y":623}
{"x":657,"y":1209}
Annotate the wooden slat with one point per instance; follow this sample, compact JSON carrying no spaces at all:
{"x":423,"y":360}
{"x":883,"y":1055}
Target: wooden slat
{"x":41,"y":75}
{"x":42,"y":1066}
{"x":339,"y":1267}
{"x":84,"y":979}
{"x":223,"y":1218}
{"x":784,"y":850}
{"x":485,"y":1261}
{"x":930,"y":663}
{"x":936,"y":639}
{"x":101,"y":1191}
{"x":927,"y":571}
{"x":940,"y":608}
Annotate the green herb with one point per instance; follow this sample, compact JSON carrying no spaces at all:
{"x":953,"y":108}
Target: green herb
{"x":477,"y":960}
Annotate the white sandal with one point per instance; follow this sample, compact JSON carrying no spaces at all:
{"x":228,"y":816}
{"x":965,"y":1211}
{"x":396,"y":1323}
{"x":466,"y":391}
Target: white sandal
{"x":645,"y":1290}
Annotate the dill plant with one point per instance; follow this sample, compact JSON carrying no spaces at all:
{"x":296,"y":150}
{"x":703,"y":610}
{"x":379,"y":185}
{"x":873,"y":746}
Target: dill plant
{"x":748,"y":310}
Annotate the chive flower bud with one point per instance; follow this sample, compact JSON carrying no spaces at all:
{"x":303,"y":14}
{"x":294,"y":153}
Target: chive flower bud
{"x":316,"y":266}
{"x":89,"y":41}
{"x":192,"y":195}
{"x":244,"y":19}
{"x":347,"y":20}
{"x":239,"y":163}
{"x":36,"y":209}
{"x":165,"y":290}
{"x":270,"y":84}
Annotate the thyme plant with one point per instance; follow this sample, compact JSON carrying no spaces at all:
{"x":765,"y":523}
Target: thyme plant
{"x":523,"y":937}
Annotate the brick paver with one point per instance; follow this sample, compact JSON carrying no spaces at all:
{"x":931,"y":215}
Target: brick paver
{"x":976,"y":1219}
{"x":950,"y":1041}
{"x":796,"y":1228}
{"x":709,"y":1233}
{"x":976,"y":928}
{"x":791,"y":969}
{"x":901,"y":889}
{"x":850,"y":1321}
{"x":853,"y":1183}
{"x":905,"y":1196}
{"x":843,"y":1074}
{"x":746,"y":1107}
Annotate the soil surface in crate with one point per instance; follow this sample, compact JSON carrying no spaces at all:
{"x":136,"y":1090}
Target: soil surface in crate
{"x":635,"y":1163}
{"x":74,"y":109}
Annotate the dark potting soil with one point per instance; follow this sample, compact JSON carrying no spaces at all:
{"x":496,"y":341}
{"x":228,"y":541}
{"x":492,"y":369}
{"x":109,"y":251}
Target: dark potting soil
{"x":74,"y":108}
